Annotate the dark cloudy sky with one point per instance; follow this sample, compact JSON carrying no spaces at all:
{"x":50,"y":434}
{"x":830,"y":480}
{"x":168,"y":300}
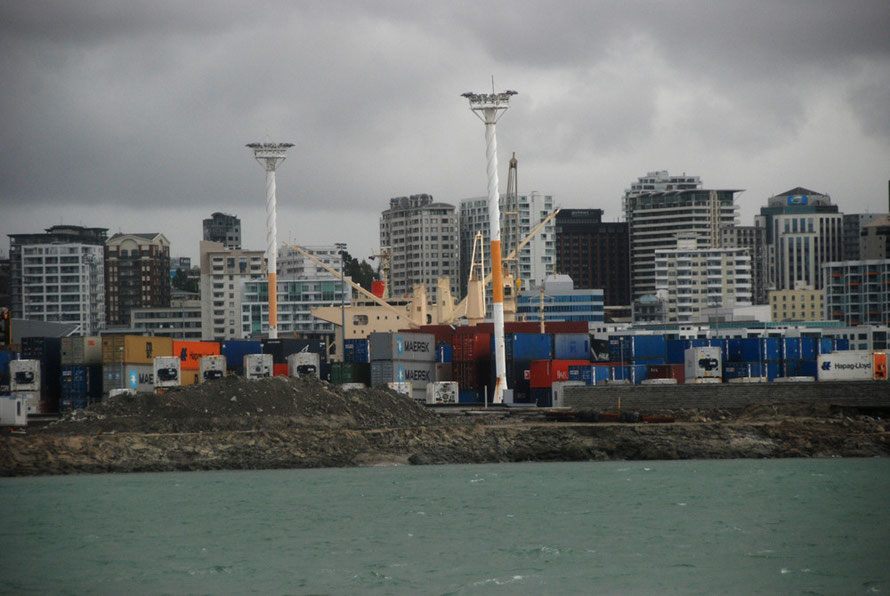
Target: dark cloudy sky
{"x":134,"y":115}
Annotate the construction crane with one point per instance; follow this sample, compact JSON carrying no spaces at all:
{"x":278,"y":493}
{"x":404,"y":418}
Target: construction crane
{"x":461,"y":309}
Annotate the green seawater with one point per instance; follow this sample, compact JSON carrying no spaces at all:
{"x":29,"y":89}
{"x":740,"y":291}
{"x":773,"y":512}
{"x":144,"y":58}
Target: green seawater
{"x":801,"y":526}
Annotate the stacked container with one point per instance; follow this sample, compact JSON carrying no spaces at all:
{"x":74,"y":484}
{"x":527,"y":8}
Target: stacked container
{"x":471,"y":363}
{"x":128,"y":361}
{"x":751,"y":358}
{"x":281,"y":348}
{"x":521,"y":349}
{"x":403,"y":358}
{"x":303,"y":364}
{"x":48,"y":350}
{"x":25,"y":382}
{"x":81,"y":372}
{"x":637,"y":349}
{"x":356,"y":367}
{"x":5,"y":358}
{"x":799,"y":357}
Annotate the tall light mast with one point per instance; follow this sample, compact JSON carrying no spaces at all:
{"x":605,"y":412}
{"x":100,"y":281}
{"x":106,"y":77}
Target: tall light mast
{"x":270,"y":155}
{"x":489,"y":107}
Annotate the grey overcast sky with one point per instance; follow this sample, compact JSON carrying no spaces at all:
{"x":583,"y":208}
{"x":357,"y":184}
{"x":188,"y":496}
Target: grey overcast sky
{"x":134,"y":115}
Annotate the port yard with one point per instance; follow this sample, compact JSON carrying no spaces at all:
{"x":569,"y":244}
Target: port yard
{"x":281,"y":422}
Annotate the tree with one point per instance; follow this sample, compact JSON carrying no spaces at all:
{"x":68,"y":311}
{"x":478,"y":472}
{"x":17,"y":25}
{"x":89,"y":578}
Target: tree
{"x":361,"y":273}
{"x":181,"y":281}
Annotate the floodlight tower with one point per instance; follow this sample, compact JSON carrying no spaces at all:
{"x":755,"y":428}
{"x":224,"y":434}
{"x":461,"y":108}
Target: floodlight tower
{"x":489,"y":107}
{"x":270,"y":155}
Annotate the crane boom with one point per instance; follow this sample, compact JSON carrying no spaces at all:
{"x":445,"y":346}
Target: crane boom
{"x":352,"y":284}
{"x":461,"y":309}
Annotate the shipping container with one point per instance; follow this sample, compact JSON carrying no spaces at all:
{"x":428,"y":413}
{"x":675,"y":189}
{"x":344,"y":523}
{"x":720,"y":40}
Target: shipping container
{"x":404,"y":347}
{"x":442,"y":333}
{"x":442,"y":392}
{"x":571,"y":346}
{"x":113,"y":377}
{"x":470,"y":396}
{"x":703,"y":363}
{"x":191,"y":352}
{"x":32,"y":402}
{"x":472,"y":374}
{"x":235,"y":350}
{"x":444,"y":371}
{"x":81,"y":386}
{"x":25,"y":376}
{"x":279,"y":370}
{"x":527,"y":346}
{"x":258,"y":366}
{"x":356,"y":350}
{"x":542,"y":397}
{"x":466,"y":347}
{"x":303,"y":364}
{"x":189,"y":377}
{"x":543,"y":373}
{"x":81,"y":350}
{"x":211,"y":368}
{"x":675,"y":349}
{"x":48,"y":350}
{"x":281,"y":348}
{"x":676,"y":372}
{"x":633,"y":348}
{"x":401,"y":387}
{"x":140,"y":377}
{"x":167,"y":372}
{"x":350,"y":372}
{"x":13,"y":411}
{"x":410,"y":371}
{"x":134,"y":349}
{"x":850,"y":365}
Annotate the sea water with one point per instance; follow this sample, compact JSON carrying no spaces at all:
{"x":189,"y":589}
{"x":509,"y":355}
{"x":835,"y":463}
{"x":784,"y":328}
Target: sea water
{"x":802,"y":526}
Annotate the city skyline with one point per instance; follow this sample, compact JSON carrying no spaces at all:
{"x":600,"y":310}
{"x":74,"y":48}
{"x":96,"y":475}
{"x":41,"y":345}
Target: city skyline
{"x":135,"y":117}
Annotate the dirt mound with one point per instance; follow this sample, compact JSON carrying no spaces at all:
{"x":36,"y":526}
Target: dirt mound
{"x":235,"y":403}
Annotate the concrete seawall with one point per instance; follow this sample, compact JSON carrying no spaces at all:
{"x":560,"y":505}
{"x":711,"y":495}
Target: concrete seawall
{"x":727,"y":396}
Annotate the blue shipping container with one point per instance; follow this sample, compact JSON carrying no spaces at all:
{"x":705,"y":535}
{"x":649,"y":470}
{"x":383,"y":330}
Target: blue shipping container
{"x":571,"y":346}
{"x":357,"y":350}
{"x":469,"y":396}
{"x":583,"y":373}
{"x":236,"y":349}
{"x":527,"y":346}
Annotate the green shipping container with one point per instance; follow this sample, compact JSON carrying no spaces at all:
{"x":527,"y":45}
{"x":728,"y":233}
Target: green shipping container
{"x":350,"y":372}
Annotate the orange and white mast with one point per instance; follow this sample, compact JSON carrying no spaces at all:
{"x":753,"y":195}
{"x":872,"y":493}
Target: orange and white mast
{"x":489,"y":108}
{"x":270,"y":155}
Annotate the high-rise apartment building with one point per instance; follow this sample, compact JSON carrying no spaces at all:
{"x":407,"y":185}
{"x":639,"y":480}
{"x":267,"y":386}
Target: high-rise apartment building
{"x":857,"y":292}
{"x":594,"y":253}
{"x":224,"y":272}
{"x":802,"y":230}
{"x":137,"y":274}
{"x":537,"y":259}
{"x":422,"y":238}
{"x":751,"y":239}
{"x":59,"y":276}
{"x":695,"y":278}
{"x":874,"y":240}
{"x":803,"y":303}
{"x":659,"y":207}
{"x":854,"y":224}
{"x":223,"y":228}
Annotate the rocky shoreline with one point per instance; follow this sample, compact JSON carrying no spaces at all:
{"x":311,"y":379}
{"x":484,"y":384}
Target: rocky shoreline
{"x":315,"y":425}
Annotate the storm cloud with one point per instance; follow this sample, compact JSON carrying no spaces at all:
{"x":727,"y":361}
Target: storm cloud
{"x":134,"y":116}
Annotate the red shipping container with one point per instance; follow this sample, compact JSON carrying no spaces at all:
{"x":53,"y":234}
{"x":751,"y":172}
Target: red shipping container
{"x":467,"y":347}
{"x":191,"y":352}
{"x":554,"y":327}
{"x":543,"y":373}
{"x":442,"y":333}
{"x":279,"y":370}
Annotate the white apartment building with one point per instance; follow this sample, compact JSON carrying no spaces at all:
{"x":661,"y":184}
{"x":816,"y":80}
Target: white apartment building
{"x":422,"y":238}
{"x":292,"y":264}
{"x":658,"y":208}
{"x":296,"y":298}
{"x":537,"y":259}
{"x":694,"y":278}
{"x":803,"y":230}
{"x":223,"y":273}
{"x":180,"y":320}
{"x":59,"y":276}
